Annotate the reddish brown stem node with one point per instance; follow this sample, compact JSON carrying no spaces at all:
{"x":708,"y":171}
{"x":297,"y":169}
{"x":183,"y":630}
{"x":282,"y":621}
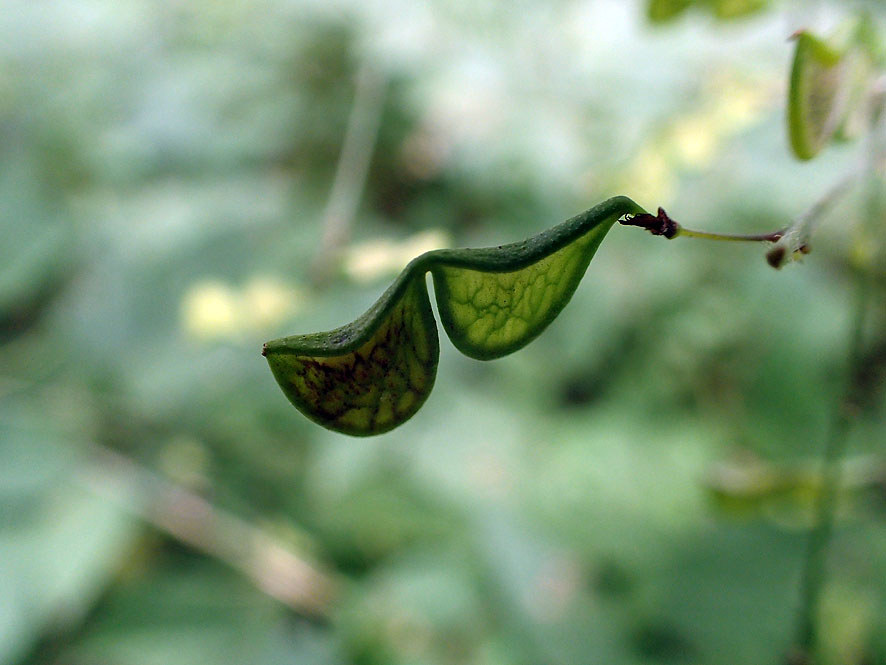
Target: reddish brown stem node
{"x":657,"y":225}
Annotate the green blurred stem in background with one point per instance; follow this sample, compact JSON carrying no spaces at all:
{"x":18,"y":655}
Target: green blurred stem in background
{"x":807,"y":645}
{"x":814,"y":567}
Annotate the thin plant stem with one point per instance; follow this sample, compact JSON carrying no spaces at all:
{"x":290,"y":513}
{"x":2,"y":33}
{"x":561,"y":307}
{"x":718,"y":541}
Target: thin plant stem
{"x":815,"y":562}
{"x":805,"y":224}
{"x":807,"y":639}
{"x":774,"y":236}
{"x":799,"y":231}
{"x":662,"y":225}
{"x":351,"y":172}
{"x":271,"y":565}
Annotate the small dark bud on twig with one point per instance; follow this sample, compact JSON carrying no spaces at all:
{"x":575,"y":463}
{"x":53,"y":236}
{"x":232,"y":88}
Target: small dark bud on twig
{"x":657,"y":225}
{"x":775,"y":256}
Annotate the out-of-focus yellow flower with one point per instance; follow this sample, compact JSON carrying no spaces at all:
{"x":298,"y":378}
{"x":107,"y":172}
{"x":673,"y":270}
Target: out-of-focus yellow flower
{"x":211,"y":309}
{"x":691,"y":142}
{"x":374,"y":259}
{"x":266,"y":301}
{"x":650,"y":177}
{"x":695,"y":139}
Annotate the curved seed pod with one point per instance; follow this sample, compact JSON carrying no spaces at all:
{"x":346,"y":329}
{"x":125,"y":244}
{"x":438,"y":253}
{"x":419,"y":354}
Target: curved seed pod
{"x":829,"y":82}
{"x":373,"y":374}
{"x":495,"y":301}
{"x":369,"y":376}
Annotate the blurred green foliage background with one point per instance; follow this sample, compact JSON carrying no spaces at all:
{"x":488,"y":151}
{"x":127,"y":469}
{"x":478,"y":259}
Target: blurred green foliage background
{"x":633,"y":487}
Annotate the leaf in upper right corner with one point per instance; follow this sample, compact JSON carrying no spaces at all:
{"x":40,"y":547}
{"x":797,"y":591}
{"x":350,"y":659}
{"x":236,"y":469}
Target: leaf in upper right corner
{"x":863,"y":69}
{"x":829,"y":83}
{"x":662,"y":11}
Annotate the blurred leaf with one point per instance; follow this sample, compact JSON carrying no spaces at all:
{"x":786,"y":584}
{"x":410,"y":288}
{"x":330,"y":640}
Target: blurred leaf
{"x":34,"y":256}
{"x":850,"y":615}
{"x":661,"y":11}
{"x":197,"y":615}
{"x":375,"y":517}
{"x":537,"y":591}
{"x":862,"y":73}
{"x":725,"y":583}
{"x":729,"y":9}
{"x":787,"y":493}
{"x":419,"y":607}
{"x":60,"y":545}
{"x":828,"y":88}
